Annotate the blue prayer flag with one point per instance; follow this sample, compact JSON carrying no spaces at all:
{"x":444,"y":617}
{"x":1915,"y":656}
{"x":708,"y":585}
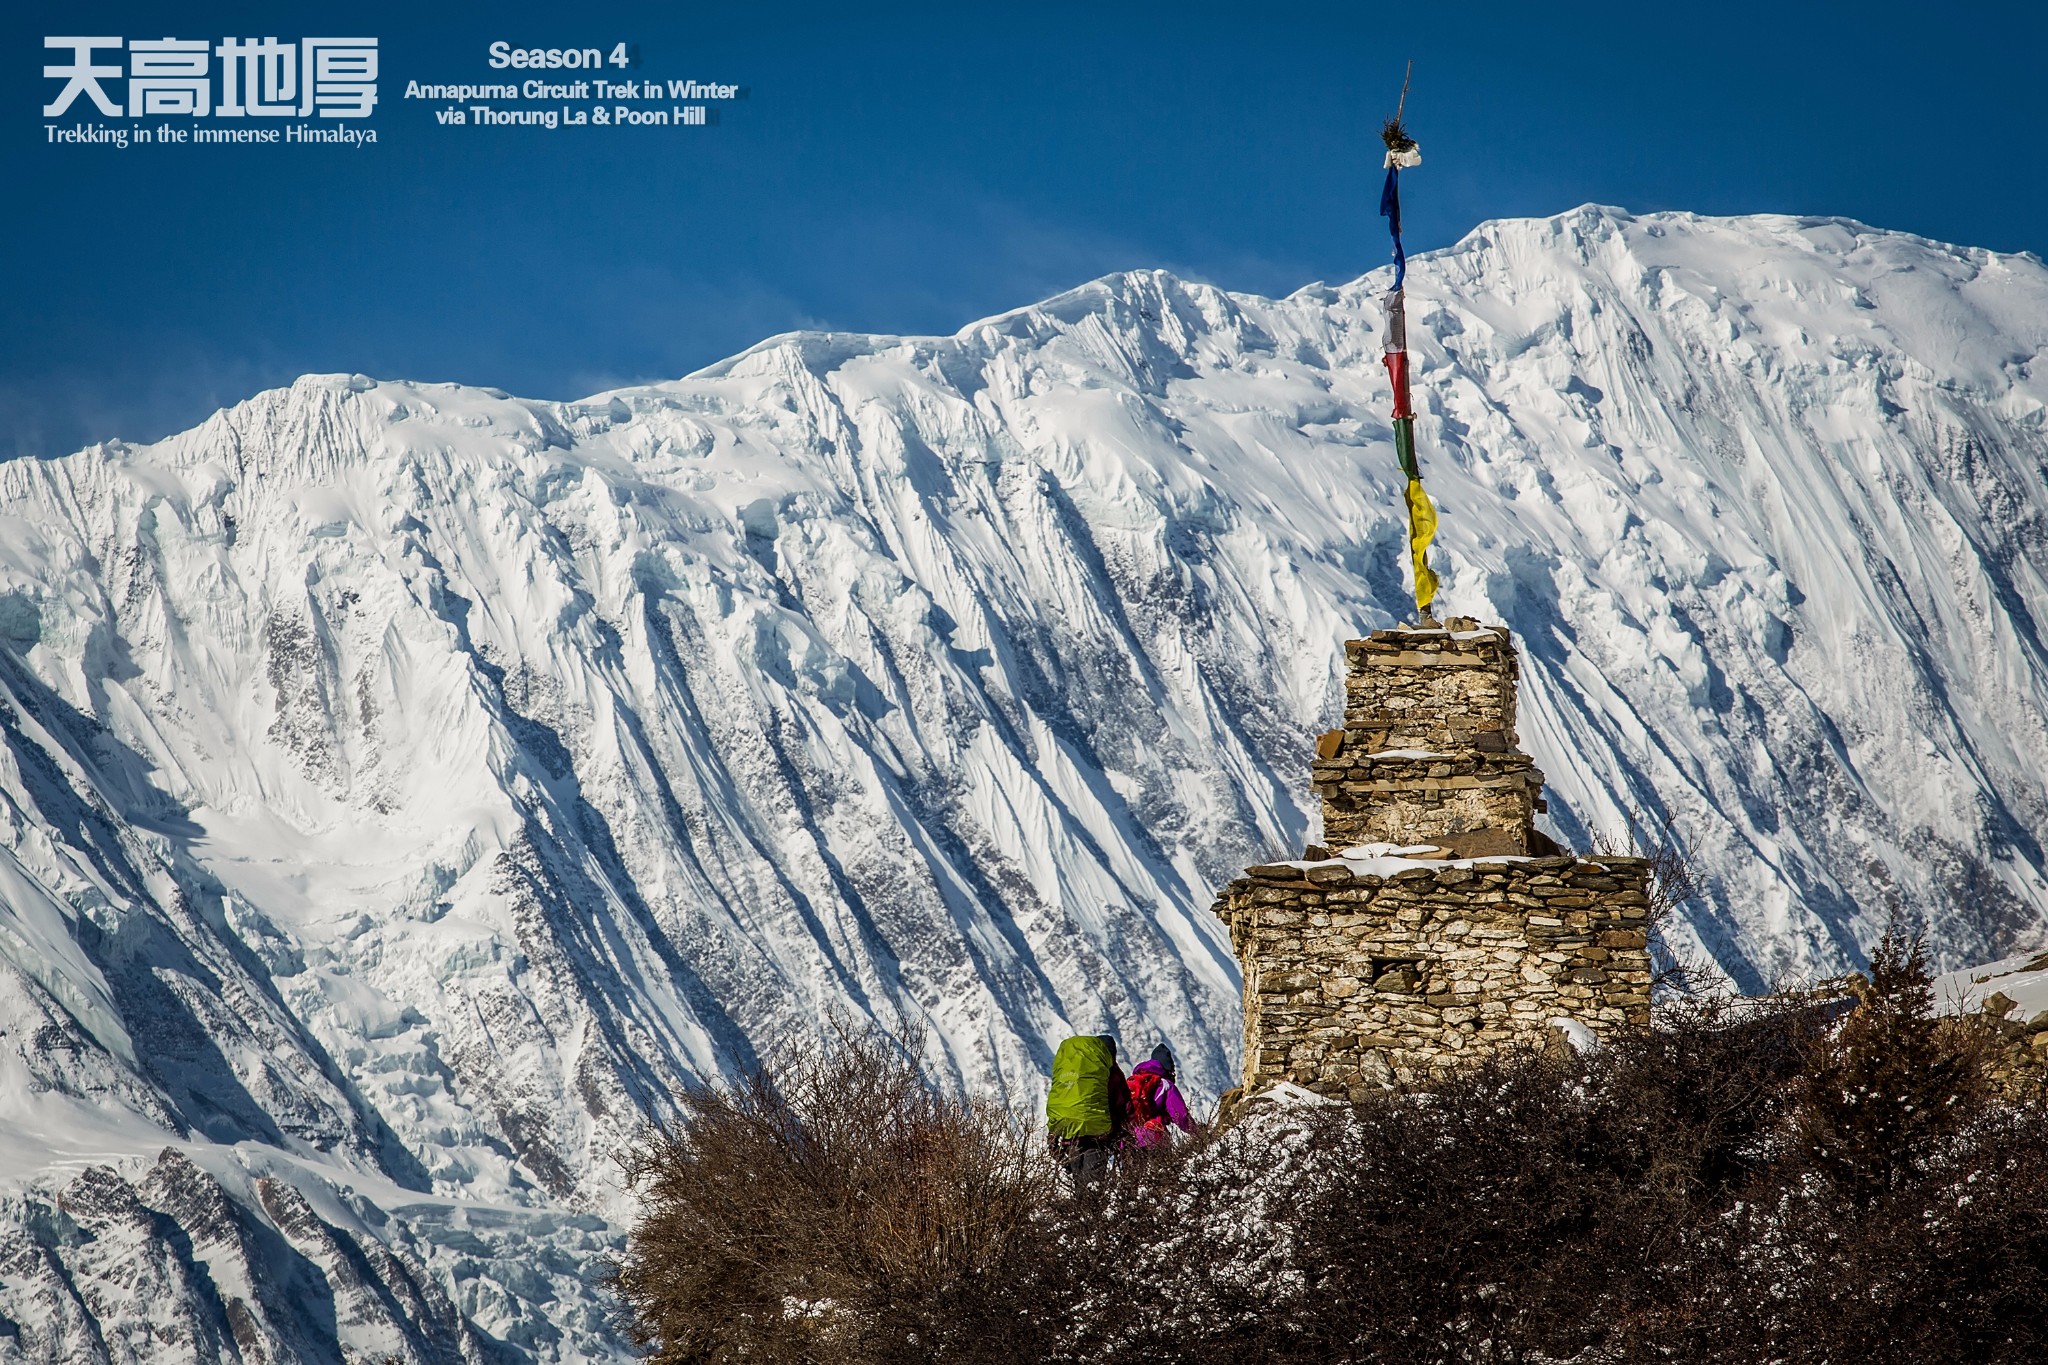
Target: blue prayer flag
{"x":1390,"y":209}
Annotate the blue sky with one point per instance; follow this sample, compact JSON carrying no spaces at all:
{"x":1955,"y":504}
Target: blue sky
{"x":908,"y":168}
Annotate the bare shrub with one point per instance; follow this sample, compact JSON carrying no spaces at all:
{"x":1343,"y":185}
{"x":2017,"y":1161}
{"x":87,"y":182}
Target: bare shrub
{"x":1673,"y":882}
{"x":1658,"y":1200}
{"x":1525,"y":1209}
{"x":1191,"y":1255}
{"x":1948,"y":1266}
{"x":1901,"y":1214}
{"x":841,"y":1209}
{"x":1745,"y":1181}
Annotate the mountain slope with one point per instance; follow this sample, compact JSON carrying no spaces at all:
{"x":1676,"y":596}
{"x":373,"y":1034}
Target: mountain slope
{"x":407,"y":786}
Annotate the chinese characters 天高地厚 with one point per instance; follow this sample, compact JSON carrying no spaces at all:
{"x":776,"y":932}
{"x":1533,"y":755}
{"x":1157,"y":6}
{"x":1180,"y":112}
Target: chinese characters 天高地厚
{"x":257,"y":77}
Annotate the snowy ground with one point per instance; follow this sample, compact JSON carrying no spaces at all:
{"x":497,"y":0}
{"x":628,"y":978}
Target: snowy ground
{"x":2022,"y":979}
{"x":406,"y":786}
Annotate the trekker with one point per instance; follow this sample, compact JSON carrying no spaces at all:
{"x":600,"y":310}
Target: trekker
{"x":1088,"y":1109}
{"x":1156,"y":1102}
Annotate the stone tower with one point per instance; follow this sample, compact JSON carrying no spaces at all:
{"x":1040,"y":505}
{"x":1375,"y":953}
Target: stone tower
{"x":1438,"y":925}
{"x":1428,"y":750}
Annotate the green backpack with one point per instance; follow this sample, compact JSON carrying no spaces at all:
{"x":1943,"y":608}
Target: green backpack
{"x":1078,"y":1105}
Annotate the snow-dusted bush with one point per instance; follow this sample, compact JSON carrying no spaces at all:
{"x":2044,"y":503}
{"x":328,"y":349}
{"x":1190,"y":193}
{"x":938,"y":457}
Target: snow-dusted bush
{"x":1747,"y":1182}
{"x":1897,"y":1082}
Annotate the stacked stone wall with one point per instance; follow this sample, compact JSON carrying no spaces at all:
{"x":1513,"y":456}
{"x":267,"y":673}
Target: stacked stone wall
{"x":1450,"y":800}
{"x":1356,"y":981}
{"x":1441,"y":689}
{"x":1428,"y":750}
{"x":1385,"y":971}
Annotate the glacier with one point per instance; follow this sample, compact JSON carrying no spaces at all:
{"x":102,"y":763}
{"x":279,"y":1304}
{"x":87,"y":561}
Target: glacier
{"x":407,"y":788}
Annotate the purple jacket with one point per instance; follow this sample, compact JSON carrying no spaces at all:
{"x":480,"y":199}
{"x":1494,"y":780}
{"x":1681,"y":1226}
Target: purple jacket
{"x":1172,"y":1108}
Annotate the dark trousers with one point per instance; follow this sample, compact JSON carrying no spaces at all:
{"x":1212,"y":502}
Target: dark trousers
{"x":1085,"y":1160}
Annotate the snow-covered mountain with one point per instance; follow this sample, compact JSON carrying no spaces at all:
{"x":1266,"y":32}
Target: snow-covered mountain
{"x":407,"y":786}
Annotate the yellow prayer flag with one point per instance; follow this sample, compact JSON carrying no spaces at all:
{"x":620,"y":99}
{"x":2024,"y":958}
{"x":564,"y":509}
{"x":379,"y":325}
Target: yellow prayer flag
{"x":1421,"y":530}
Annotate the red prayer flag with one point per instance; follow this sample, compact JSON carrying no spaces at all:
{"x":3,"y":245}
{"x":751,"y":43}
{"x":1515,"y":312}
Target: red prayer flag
{"x":1397,"y":371}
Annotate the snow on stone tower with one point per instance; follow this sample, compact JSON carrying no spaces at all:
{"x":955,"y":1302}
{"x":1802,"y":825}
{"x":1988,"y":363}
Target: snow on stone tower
{"x":1446,"y":927}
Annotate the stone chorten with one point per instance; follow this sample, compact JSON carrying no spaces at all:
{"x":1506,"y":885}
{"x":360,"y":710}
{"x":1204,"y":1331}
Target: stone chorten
{"x":1428,"y":750}
{"x":1365,"y":966}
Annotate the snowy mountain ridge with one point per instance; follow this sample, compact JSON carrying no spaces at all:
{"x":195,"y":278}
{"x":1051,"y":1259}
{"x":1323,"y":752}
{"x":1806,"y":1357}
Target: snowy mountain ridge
{"x":406,"y":786}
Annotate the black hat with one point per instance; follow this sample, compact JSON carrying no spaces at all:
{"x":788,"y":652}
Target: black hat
{"x":1164,"y":1056}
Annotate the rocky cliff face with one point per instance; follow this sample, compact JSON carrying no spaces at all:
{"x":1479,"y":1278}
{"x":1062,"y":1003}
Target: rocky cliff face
{"x":405,"y":787}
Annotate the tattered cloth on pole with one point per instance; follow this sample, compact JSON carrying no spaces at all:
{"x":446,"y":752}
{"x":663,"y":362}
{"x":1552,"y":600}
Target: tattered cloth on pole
{"x":1390,"y":209}
{"x":1397,"y":320}
{"x":1402,"y":152}
{"x":1421,"y":530}
{"x":1397,"y":374}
